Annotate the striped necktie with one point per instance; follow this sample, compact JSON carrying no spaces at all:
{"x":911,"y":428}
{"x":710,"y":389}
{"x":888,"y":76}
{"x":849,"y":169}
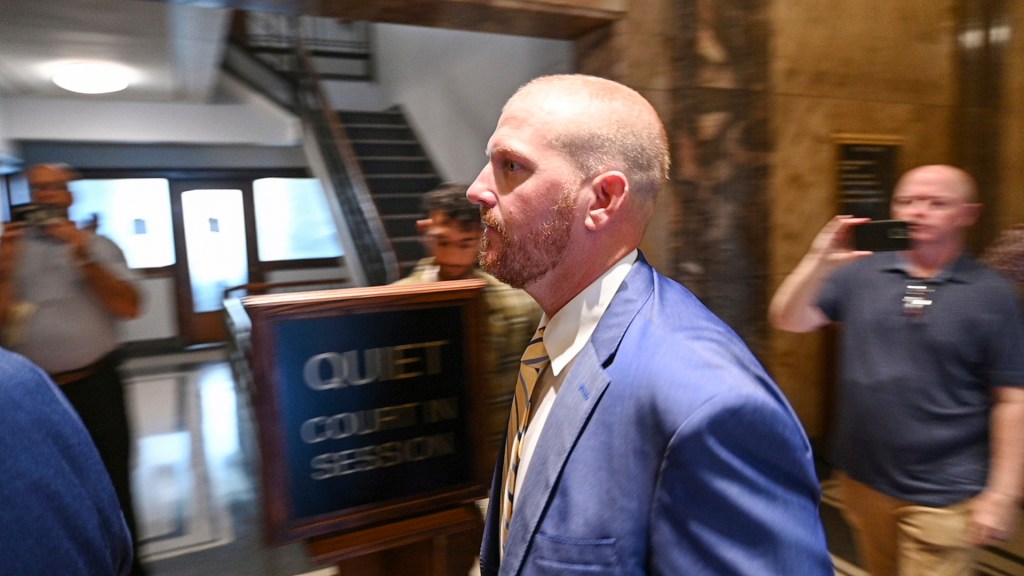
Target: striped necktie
{"x":533,"y":362}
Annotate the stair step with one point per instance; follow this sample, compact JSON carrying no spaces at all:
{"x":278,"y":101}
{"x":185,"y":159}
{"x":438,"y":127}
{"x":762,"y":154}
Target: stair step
{"x":408,"y":248}
{"x":396,"y":203}
{"x":398,"y":227}
{"x":378,"y":117}
{"x":379,"y":132}
{"x":387,"y":148}
{"x":345,"y":76}
{"x":398,"y":172}
{"x":387,"y":184}
{"x":396,"y":165}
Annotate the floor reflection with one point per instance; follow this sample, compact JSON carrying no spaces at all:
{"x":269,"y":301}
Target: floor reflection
{"x":195,"y":488}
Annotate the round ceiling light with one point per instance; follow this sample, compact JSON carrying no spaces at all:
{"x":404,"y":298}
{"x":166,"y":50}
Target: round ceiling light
{"x":92,"y":77}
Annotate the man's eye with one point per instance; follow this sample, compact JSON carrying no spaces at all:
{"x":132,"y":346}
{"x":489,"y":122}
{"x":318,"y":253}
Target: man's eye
{"x":513,"y":166}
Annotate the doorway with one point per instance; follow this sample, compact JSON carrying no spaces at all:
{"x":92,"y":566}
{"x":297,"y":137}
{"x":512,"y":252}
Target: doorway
{"x":210,"y":234}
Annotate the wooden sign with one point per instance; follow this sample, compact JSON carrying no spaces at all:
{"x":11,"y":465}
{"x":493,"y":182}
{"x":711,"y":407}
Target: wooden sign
{"x":866,"y":171}
{"x":367,"y":404}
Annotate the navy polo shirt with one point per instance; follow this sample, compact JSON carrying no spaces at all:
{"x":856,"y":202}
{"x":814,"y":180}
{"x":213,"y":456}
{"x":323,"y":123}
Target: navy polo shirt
{"x":915,"y":377}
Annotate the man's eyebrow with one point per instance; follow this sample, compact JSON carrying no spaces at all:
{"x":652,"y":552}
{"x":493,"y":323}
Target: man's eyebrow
{"x":503,"y":149}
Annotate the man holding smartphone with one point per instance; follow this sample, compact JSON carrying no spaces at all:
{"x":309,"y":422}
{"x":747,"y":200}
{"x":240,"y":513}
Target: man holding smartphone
{"x":63,"y":291}
{"x":928,"y":445}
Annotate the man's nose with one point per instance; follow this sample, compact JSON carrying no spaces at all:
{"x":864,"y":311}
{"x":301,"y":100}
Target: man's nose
{"x":480,"y":191}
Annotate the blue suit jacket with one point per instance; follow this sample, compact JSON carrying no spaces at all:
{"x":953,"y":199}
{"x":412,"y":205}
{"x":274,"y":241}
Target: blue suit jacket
{"x":668,"y":450}
{"x":57,"y":506}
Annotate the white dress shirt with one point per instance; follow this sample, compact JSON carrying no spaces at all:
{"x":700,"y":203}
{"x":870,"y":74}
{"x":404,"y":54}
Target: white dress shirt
{"x":566,"y":334}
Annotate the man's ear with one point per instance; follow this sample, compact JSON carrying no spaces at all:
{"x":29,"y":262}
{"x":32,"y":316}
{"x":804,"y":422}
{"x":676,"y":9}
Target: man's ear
{"x":971,"y":213}
{"x":609,"y":192}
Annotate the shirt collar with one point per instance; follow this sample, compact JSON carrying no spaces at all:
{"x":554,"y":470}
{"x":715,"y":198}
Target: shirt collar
{"x":571,"y":327}
{"x":960,"y":270}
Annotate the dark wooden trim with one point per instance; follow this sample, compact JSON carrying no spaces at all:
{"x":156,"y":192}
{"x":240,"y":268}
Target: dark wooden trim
{"x":194,"y":174}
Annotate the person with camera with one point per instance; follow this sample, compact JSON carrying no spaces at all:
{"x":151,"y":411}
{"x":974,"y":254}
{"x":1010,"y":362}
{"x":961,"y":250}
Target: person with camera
{"x":63,"y":291}
{"x":929,"y":443}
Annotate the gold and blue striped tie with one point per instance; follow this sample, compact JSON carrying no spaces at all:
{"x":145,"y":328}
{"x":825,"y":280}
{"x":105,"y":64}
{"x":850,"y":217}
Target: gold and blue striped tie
{"x":533,"y":362}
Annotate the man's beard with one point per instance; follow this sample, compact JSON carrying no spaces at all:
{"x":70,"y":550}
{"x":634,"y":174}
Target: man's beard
{"x":519,"y":261}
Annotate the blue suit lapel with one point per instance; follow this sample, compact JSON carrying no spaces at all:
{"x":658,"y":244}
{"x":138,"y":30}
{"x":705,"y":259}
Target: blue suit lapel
{"x":580,"y":394}
{"x":575,"y":402}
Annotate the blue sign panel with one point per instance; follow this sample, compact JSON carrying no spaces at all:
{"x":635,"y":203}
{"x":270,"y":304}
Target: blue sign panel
{"x":371,"y":406}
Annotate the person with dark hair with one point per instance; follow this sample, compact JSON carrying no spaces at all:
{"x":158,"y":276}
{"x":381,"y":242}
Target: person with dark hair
{"x":451,"y":232}
{"x":644,"y":437}
{"x":63,"y":292}
{"x":60,"y":513}
{"x":928,"y":445}
{"x":1006,"y":255}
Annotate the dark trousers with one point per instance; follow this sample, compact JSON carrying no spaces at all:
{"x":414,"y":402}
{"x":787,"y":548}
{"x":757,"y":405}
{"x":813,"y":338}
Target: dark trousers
{"x":99,"y":400}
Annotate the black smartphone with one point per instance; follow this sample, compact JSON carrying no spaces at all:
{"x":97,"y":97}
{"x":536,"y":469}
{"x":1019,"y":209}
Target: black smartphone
{"x":881,"y":236}
{"x":34,"y":214}
{"x":23,"y":212}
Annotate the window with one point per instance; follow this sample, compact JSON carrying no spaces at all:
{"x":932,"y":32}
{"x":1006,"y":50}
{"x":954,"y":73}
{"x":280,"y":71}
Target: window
{"x":133,"y":212}
{"x":14,"y":189}
{"x":293,"y":220}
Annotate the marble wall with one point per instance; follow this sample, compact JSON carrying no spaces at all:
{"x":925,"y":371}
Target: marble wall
{"x":982,"y":39}
{"x":758,"y":93}
{"x":722,"y":143}
{"x":638,"y":51}
{"x":1011,"y":208}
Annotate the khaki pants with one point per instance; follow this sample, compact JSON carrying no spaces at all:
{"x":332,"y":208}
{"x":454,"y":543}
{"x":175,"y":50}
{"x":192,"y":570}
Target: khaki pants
{"x":898,"y":538}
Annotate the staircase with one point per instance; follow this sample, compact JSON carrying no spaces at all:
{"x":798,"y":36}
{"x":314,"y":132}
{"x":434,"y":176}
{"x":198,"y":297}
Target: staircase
{"x":397,"y":173}
{"x":367,"y":161}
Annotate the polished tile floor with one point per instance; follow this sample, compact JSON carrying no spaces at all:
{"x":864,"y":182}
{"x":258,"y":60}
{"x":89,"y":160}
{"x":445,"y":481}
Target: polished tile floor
{"x":197,"y":499}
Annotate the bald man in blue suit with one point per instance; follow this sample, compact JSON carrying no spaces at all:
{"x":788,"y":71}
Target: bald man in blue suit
{"x":655,"y":443}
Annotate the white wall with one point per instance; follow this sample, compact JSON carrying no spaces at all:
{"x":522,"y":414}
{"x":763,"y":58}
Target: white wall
{"x":7,"y":153}
{"x":452,"y":84}
{"x":357,"y":96}
{"x":251,"y":121}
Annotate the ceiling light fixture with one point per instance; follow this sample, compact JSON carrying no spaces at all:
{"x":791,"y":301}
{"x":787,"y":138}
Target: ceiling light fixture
{"x":91,"y":77}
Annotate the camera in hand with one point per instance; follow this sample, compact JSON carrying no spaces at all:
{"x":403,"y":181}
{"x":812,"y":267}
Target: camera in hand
{"x":35,"y":214}
{"x":881,"y":236}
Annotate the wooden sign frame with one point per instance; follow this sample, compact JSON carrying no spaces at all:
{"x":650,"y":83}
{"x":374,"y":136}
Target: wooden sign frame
{"x":407,"y":359}
{"x":867,"y":168}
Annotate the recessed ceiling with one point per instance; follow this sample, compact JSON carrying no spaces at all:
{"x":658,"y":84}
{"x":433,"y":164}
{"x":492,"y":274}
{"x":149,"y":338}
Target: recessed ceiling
{"x":174,"y":50}
{"x":176,"y":46}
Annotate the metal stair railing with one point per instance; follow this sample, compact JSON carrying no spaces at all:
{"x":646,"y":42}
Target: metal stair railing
{"x":288,"y":58}
{"x":333,"y":160}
